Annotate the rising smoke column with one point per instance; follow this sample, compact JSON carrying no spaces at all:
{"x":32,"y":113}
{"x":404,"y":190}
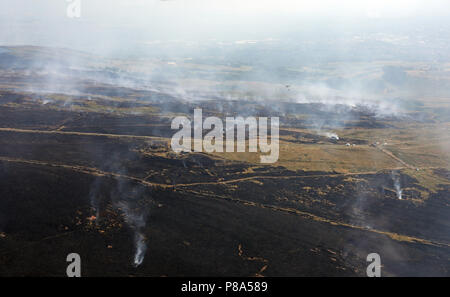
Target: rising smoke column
{"x":141,"y":248}
{"x":94,"y":194}
{"x":330,"y":135}
{"x":137,"y":222}
{"x":131,"y":199}
{"x":134,"y":215}
{"x":397,"y":185}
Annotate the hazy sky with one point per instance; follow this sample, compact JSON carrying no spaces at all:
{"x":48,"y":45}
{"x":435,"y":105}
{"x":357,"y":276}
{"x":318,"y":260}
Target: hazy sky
{"x":229,"y":8}
{"x":111,"y":23}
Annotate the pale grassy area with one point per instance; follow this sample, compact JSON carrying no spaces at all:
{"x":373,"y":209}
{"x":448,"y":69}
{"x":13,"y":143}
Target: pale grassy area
{"x":420,"y":146}
{"x":323,"y":157}
{"x":425,"y":145}
{"x":329,"y":157}
{"x":427,"y":179}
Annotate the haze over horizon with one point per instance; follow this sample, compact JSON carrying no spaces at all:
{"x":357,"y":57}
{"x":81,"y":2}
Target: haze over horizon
{"x":130,"y":28}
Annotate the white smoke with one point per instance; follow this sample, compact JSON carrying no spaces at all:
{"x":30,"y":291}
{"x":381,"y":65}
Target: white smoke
{"x":141,"y":248}
{"x":137,"y":223}
{"x":397,"y":185}
{"x":330,"y":135}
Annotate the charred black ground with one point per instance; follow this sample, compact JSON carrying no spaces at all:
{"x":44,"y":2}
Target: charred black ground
{"x":77,"y":169}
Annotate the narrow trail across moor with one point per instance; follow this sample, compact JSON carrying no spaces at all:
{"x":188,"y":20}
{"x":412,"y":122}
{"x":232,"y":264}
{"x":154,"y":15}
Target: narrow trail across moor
{"x":98,"y":172}
{"x":85,"y":170}
{"x":82,"y":134}
{"x":390,"y":154}
{"x":304,"y":214}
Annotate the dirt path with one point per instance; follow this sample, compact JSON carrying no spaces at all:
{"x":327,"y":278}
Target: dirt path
{"x":58,"y":131}
{"x":390,"y":154}
{"x":82,"y":134}
{"x":392,"y":235}
{"x":85,"y":170}
{"x":97,"y":172}
{"x":258,"y":177}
